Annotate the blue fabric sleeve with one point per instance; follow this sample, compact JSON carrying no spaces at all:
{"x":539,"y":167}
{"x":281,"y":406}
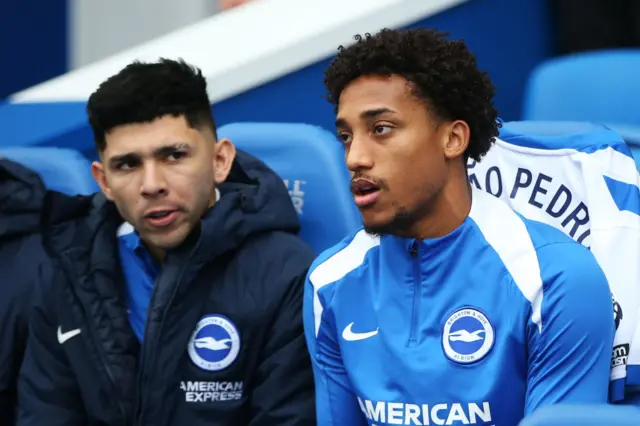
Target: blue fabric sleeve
{"x":570,"y":356}
{"x":336,"y":403}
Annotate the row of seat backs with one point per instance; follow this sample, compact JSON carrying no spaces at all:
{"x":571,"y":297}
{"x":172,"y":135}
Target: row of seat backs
{"x":309,"y":160}
{"x":630,"y":134}
{"x":597,"y":86}
{"x":61,"y":169}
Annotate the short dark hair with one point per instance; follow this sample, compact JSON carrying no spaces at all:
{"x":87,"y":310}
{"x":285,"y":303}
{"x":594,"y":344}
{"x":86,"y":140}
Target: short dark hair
{"x":142,"y":92}
{"x":442,"y":72}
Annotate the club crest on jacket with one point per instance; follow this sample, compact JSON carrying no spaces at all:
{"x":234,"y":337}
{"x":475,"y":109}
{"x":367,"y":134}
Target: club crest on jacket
{"x":214,"y":344}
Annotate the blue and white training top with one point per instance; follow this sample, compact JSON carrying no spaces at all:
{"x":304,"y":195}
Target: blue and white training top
{"x":480,"y":327}
{"x":581,"y":179}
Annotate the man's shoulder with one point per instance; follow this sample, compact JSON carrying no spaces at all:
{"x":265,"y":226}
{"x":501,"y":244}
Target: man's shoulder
{"x":556,"y":250}
{"x":278,"y":244}
{"x":342,"y":259}
{"x":276,"y":255}
{"x":79,"y":226}
{"x":511,"y":233}
{"x":17,"y":251}
{"x":535,"y":254}
{"x":543,"y":234}
{"x":21,"y":260}
{"x":563,"y":263}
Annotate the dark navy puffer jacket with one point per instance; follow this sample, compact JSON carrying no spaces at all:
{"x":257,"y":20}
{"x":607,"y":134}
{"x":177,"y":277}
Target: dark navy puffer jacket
{"x":235,"y":285}
{"x":21,"y":254}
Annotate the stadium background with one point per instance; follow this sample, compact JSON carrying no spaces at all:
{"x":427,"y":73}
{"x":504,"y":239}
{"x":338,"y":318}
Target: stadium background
{"x":42,"y":39}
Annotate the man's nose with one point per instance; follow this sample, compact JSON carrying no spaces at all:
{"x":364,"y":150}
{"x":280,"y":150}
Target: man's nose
{"x":358,"y":156}
{"x":153,"y":181}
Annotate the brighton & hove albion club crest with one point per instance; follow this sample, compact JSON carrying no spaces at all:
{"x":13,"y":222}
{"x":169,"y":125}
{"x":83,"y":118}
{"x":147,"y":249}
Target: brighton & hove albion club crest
{"x":214,"y":344}
{"x":468,"y":336}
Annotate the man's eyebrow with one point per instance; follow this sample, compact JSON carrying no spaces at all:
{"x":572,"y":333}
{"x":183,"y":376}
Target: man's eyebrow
{"x":162,"y":151}
{"x":123,"y":158}
{"x":373,"y":113}
{"x":368,"y":114}
{"x":165,"y":150}
{"x":341,"y":122}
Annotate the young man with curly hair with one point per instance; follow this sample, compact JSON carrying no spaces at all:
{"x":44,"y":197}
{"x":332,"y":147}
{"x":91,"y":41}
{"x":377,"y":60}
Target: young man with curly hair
{"x":448,"y":307}
{"x":174,"y":296}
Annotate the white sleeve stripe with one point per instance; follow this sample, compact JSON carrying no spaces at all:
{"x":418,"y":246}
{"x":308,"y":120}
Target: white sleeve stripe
{"x":339,"y":265}
{"x":505,"y":231}
{"x":617,"y":166}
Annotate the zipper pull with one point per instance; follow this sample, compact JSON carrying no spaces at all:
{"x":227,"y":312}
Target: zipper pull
{"x":413,"y":250}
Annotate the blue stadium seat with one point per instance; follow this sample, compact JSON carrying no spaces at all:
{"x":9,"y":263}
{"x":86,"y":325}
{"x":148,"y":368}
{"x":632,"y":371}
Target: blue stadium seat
{"x":549,"y":128}
{"x":311,"y":162}
{"x":630,"y":134}
{"x":61,"y":169}
{"x":601,"y":86}
{"x":584,"y":415}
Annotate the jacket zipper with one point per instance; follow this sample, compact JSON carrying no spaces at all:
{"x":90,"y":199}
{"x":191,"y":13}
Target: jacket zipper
{"x":137,"y":412}
{"x":414,"y":251}
{"x":141,"y":381}
{"x":89,"y":326}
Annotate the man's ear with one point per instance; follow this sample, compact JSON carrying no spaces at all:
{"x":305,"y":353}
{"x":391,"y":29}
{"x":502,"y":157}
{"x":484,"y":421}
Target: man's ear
{"x":97,"y":170}
{"x":457,"y":139}
{"x":225,"y":153}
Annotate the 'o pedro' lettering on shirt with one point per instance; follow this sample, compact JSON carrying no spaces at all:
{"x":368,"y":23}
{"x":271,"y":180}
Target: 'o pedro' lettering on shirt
{"x":556,"y":204}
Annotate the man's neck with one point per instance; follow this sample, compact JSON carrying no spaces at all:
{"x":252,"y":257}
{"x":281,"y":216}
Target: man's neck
{"x":450,"y":209}
{"x":156,"y":253}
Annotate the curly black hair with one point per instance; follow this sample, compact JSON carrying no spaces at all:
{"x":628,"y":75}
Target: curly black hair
{"x":443,"y":73}
{"x":142,"y":92}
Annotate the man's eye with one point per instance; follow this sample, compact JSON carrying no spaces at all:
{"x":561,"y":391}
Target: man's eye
{"x":175,"y":156}
{"x":344,"y":137}
{"x":125,"y":166}
{"x":381,"y":130}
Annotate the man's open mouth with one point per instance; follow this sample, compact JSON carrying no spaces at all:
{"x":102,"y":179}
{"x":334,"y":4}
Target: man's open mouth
{"x":365,"y":193}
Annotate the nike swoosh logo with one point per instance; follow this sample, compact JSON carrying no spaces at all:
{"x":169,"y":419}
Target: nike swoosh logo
{"x":350,"y":336}
{"x":63,"y":337}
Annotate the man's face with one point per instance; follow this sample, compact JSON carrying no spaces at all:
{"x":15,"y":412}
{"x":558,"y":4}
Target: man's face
{"x":162,"y":177}
{"x":394,"y":151}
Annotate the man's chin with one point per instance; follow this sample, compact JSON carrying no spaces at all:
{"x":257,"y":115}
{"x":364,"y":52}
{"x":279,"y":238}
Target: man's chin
{"x":378,"y":228}
{"x":397,"y":225}
{"x":166,"y":241}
